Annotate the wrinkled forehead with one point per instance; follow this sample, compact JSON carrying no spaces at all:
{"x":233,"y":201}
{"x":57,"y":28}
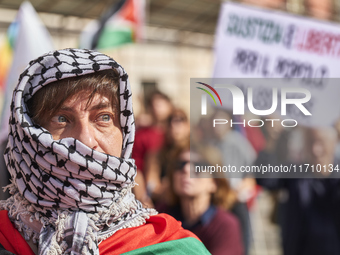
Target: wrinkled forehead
{"x":85,"y":100}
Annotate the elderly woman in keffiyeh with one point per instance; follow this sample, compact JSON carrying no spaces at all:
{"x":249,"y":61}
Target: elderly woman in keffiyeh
{"x":68,"y":153}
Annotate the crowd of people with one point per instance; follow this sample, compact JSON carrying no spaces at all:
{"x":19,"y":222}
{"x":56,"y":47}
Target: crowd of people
{"x":71,"y":149}
{"x":305,"y":208}
{"x":87,"y":177}
{"x":203,"y":205}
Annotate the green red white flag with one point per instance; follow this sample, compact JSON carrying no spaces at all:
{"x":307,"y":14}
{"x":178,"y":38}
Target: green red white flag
{"x":122,"y":23}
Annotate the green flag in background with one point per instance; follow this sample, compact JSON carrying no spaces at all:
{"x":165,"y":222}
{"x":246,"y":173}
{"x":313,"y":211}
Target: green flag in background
{"x":121,"y":24}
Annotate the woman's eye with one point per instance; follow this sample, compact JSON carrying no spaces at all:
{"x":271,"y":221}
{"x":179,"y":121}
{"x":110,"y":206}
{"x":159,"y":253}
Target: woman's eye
{"x":59,"y":119}
{"x":105,"y":117}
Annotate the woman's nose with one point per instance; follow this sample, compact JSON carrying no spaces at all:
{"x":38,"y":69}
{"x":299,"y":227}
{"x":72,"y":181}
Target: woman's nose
{"x":186,"y":168}
{"x":85,"y":133}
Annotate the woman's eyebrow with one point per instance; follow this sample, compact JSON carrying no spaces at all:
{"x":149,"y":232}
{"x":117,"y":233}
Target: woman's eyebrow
{"x":101,"y":105}
{"x":66,"y":108}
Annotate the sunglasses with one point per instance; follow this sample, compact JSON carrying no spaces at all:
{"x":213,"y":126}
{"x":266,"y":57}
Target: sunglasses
{"x":179,"y":165}
{"x":176,"y":120}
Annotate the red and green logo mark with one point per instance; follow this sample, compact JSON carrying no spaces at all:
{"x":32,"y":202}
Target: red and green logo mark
{"x":209,"y":93}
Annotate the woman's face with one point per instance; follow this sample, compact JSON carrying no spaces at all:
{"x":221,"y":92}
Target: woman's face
{"x":183,"y":185}
{"x":95,"y":125}
{"x":161,"y":108}
{"x":179,"y":128}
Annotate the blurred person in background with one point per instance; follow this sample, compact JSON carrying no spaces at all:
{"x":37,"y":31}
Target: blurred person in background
{"x":337,"y":147}
{"x":69,"y":155}
{"x":201,"y":201}
{"x":309,"y":211}
{"x":150,"y":139}
{"x":274,"y":153}
{"x":157,"y":163}
{"x":236,"y":151}
{"x":253,"y":134}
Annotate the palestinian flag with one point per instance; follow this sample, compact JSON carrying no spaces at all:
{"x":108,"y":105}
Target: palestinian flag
{"x":161,"y":234}
{"x":121,"y":24}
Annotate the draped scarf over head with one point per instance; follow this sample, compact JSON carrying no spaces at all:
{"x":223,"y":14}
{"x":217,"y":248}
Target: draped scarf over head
{"x":66,"y":195}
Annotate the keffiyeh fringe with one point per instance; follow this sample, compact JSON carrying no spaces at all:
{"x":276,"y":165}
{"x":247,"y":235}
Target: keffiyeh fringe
{"x":19,"y":207}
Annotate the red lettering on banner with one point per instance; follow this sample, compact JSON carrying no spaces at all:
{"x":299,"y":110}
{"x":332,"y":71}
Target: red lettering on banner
{"x":318,"y":42}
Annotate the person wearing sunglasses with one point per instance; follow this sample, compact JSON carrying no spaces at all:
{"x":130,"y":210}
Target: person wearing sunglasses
{"x":200,"y":200}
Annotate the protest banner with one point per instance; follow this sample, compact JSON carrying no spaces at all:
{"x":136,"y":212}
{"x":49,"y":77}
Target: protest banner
{"x":284,"y":50}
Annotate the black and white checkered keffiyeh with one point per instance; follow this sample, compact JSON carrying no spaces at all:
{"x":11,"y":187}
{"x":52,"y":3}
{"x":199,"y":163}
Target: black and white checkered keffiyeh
{"x":74,"y":195}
